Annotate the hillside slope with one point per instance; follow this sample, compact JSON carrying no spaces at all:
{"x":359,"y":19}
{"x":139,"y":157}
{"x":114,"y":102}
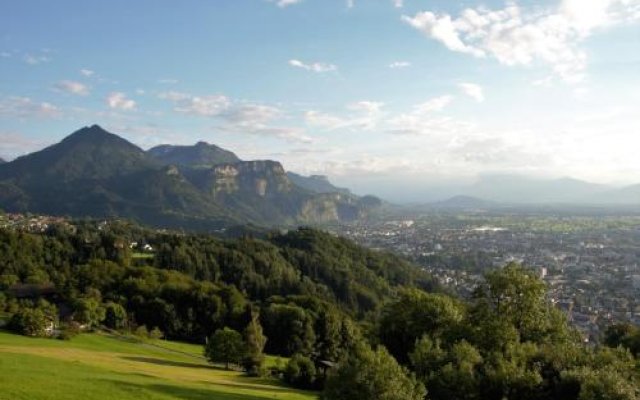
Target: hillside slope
{"x":105,"y":367}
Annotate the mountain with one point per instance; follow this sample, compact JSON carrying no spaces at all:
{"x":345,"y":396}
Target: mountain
{"x":95,"y":173}
{"x":89,"y":153}
{"x":463,"y":202}
{"x":629,"y":195}
{"x":201,"y":154}
{"x":519,"y":189}
{"x":2,"y":161}
{"x":315,"y":183}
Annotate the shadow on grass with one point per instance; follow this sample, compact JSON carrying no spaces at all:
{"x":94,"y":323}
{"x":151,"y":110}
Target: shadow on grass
{"x":185,"y":393}
{"x":168,"y":363}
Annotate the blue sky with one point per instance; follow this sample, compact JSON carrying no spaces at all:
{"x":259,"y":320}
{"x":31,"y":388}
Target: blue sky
{"x":377,"y":94}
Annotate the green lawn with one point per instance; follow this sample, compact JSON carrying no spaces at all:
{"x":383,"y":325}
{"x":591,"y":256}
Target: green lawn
{"x":100,"y":367}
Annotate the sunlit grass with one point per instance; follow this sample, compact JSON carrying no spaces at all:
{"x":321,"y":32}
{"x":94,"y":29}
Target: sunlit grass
{"x":95,"y":366}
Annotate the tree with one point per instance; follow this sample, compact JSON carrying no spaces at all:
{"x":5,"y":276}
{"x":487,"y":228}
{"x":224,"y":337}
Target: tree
{"x":414,"y":314}
{"x":225,"y":346}
{"x":115,"y":316}
{"x":517,"y":297}
{"x":255,"y":342}
{"x":290,"y":329}
{"x":88,"y":311}
{"x":603,"y":384}
{"x":372,"y":375}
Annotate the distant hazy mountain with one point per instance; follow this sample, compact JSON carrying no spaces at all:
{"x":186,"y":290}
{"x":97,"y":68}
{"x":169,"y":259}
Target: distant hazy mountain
{"x":2,"y":161}
{"x":95,"y":173}
{"x":315,"y":183}
{"x":463,"y":202}
{"x":518,"y":189}
{"x":200,"y":154}
{"x":626,"y":195}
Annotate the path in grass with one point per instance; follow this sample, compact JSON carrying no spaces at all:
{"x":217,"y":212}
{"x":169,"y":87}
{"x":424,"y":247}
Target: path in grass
{"x":101,"y":367}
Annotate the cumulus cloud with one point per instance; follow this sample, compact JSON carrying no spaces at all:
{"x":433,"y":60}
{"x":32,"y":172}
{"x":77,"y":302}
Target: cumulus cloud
{"x":72,"y":87}
{"x":205,"y":106}
{"x":24,"y":107}
{"x":399,"y":64}
{"x":87,"y":72}
{"x":236,"y":116}
{"x":314,"y":67}
{"x":425,"y":119}
{"x":472,"y":90}
{"x":517,"y":36}
{"x":363,"y":115}
{"x":119,"y":101}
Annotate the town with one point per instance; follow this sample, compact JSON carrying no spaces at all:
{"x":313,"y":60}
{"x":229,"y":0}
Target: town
{"x":590,"y":263}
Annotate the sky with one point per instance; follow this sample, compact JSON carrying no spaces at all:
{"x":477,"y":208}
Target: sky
{"x":383,"y":96}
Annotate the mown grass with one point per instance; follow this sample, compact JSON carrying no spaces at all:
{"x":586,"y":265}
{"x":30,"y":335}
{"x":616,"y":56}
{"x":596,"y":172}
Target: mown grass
{"x":100,"y":367}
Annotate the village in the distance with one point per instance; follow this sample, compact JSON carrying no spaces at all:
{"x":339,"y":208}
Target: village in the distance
{"x":590,"y":262}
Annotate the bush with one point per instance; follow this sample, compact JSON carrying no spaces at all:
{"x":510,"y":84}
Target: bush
{"x":156,"y":333}
{"x":70,"y":330}
{"x":300,"y":372}
{"x":141,"y":332}
{"x":29,"y":322}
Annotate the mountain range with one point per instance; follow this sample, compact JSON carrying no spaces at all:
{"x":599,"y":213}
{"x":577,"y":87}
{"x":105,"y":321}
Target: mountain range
{"x":95,"y":173}
{"x":513,"y":189}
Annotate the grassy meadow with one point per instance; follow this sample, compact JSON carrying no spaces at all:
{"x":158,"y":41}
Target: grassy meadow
{"x":102,"y":366}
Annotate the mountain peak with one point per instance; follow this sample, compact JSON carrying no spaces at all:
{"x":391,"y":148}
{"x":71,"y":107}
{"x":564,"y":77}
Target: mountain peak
{"x":88,"y":153}
{"x":93,"y":132}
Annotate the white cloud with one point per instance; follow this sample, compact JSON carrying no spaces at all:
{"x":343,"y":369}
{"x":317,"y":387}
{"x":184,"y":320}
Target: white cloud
{"x":436,"y":104}
{"x":517,"y":36}
{"x":442,"y":28}
{"x":35,"y":59}
{"x":119,"y":101}
{"x":400,"y":64}
{"x":236,"y":116}
{"x":24,"y":107}
{"x":472,"y":90}
{"x":315,"y":67}
{"x":168,"y":81}
{"x":350,"y":3}
{"x":398,"y":3}
{"x":87,"y":72}
{"x":286,"y":3}
{"x":72,"y":87}
{"x":364,"y":115}
{"x":204,"y":106}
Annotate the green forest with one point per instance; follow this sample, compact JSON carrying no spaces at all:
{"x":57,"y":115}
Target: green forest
{"x":351,"y":323}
